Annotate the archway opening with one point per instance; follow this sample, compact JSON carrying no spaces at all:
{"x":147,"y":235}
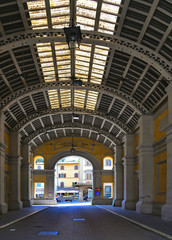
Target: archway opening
{"x":73,"y":180}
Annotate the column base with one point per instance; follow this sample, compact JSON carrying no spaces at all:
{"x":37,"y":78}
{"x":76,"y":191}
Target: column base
{"x":166,"y":212}
{"x":117,"y":203}
{"x":15,"y":205}
{"x":128,"y":205}
{"x":144,"y":207}
{"x":27,"y":203}
{"x":3,"y":208}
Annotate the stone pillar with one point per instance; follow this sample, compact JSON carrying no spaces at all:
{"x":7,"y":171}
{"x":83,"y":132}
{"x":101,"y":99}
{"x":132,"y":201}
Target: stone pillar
{"x":3,"y":205}
{"x":81,"y":194}
{"x":129,"y":163}
{"x":50,"y":184}
{"x":25,"y":176}
{"x":166,"y":211}
{"x":118,"y":177}
{"x":146,"y":165}
{"x":14,"y":169}
{"x":96,"y":184}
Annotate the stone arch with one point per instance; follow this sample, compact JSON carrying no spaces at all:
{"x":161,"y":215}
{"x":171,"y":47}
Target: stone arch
{"x":94,"y":161}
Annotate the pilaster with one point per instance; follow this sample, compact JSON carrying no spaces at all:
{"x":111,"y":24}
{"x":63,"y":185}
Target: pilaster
{"x":129,"y":163}
{"x":96,"y":184}
{"x":3,"y":205}
{"x":146,"y":165}
{"x":50,"y":184}
{"x":14,"y":169}
{"x":25,"y":176}
{"x":118,"y":177}
{"x":166,"y":211}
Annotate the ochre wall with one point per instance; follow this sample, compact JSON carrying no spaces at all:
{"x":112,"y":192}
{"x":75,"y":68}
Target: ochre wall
{"x":39,"y":179}
{"x":69,"y":171}
{"x":160,"y":165}
{"x":107,"y":179}
{"x":49,"y":149}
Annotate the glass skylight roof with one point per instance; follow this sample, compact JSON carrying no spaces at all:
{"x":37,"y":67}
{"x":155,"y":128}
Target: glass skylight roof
{"x":89,"y":17}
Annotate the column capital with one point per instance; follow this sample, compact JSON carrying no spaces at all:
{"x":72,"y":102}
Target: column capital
{"x":15,"y":160}
{"x":129,"y":160}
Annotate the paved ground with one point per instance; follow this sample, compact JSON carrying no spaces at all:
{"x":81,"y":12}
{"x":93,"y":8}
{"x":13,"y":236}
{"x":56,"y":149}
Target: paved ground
{"x":75,"y":223}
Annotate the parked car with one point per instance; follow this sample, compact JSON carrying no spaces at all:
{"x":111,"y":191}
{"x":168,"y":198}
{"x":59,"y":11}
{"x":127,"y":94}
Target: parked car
{"x":64,"y":198}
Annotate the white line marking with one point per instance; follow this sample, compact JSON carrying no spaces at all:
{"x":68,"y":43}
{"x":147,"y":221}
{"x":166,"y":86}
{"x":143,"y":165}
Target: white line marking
{"x":19,"y":219}
{"x":139,"y":224}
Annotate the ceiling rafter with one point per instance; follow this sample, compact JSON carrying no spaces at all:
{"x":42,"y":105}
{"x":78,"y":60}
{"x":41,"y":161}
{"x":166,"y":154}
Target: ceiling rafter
{"x":72,"y":126}
{"x":6,"y":81}
{"x":141,"y":35}
{"x":112,"y":52}
{"x":48,"y":113}
{"x":133,"y":103}
{"x":114,"y":42}
{"x":19,"y":70}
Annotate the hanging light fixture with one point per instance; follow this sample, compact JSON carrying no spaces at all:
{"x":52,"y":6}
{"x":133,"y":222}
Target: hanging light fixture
{"x":73,"y":36}
{"x":73,"y":148}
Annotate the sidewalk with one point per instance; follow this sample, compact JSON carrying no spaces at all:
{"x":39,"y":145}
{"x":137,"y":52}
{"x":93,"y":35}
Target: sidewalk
{"x":17,"y":215}
{"x":149,"y":222}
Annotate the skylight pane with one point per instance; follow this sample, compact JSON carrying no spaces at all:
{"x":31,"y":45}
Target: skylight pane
{"x":86,"y":21}
{"x":79,"y":98}
{"x":91,"y":100}
{"x":60,"y":11}
{"x":57,"y":3}
{"x":99,"y":63}
{"x":83,"y":54}
{"x":86,"y":12}
{"x":38,"y":14}
{"x":88,"y":4}
{"x":53,"y":97}
{"x":110,"y":8}
{"x":63,"y":59}
{"x":36,"y":4}
{"x":65,"y":96}
{"x":108,"y":16}
{"x":59,"y":20}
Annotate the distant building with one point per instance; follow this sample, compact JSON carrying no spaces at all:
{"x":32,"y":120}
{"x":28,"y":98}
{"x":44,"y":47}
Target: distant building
{"x":74,"y":177}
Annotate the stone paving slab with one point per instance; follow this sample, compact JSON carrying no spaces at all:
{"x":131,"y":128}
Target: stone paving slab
{"x":151,"y":221}
{"x":17,"y":215}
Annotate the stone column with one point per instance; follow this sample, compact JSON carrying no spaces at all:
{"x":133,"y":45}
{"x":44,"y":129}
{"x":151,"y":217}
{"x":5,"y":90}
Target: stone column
{"x":14,"y":169}
{"x":81,"y":194}
{"x":50,"y":184}
{"x":129,"y":163}
{"x":166,"y":211}
{"x":146,"y":165}
{"x":96,"y":184}
{"x":3,"y":205}
{"x":25,"y":176}
{"x":118,"y":177}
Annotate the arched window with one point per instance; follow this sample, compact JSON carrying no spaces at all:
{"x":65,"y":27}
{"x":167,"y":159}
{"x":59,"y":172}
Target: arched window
{"x":39,"y":163}
{"x":62,"y":184}
{"x":62,"y":167}
{"x":107,"y":163}
{"x":62,"y":175}
{"x":76,"y":167}
{"x":76,"y":175}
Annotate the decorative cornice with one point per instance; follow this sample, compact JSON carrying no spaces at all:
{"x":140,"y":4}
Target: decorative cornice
{"x":133,"y":103}
{"x":72,"y":125}
{"x":115,"y":42}
{"x":48,"y":112}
